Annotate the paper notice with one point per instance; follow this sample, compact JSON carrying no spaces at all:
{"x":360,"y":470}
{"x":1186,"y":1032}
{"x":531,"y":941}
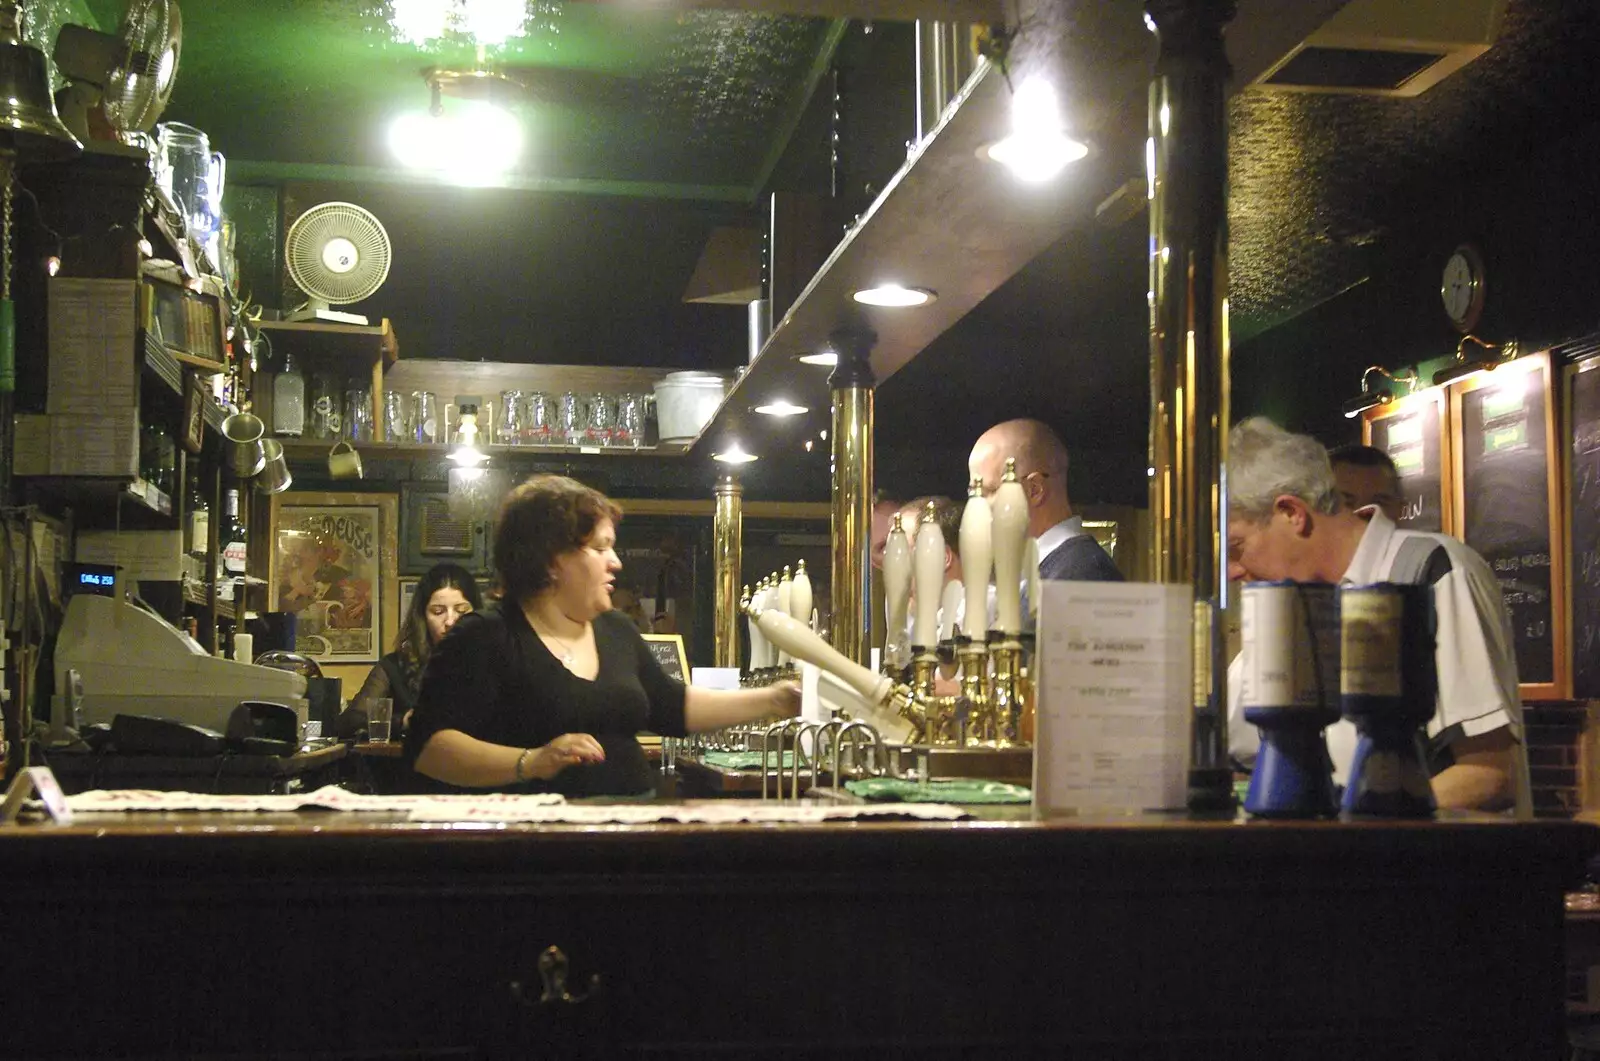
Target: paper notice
{"x":93,"y":362}
{"x":1114,"y":674}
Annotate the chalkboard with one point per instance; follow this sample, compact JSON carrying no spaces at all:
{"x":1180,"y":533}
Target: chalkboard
{"x":1411,"y":432}
{"x":1508,"y":500}
{"x":668,"y":651}
{"x":1583,"y":390}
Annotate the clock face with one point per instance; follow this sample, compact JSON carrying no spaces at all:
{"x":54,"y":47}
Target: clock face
{"x":1462,"y":289}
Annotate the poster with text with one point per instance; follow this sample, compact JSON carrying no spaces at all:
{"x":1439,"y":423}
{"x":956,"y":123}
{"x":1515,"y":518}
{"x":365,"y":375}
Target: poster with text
{"x":326,"y":570}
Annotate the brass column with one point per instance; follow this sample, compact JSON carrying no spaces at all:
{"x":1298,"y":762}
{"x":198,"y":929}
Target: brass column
{"x":851,"y":386}
{"x":1188,"y":158}
{"x":727,"y":537}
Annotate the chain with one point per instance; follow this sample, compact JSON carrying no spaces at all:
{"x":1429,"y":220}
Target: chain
{"x":8,"y":182}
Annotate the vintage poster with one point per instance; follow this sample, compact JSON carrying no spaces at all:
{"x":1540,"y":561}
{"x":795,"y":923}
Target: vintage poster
{"x":327,"y":571}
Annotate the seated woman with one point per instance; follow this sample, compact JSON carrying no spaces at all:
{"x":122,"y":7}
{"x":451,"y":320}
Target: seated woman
{"x":546,"y":691}
{"x":445,"y":594}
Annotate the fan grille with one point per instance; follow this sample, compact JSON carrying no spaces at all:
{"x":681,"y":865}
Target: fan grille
{"x":338,"y":252}
{"x":138,"y":88}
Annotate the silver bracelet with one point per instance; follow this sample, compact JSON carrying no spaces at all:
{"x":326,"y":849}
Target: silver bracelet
{"x":520,"y":760}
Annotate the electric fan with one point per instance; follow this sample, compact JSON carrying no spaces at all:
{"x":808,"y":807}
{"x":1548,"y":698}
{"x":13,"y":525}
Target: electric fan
{"x":119,"y":82}
{"x":336,"y":253}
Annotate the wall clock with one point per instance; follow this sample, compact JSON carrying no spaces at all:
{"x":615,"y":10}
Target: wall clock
{"x":1463,"y":287}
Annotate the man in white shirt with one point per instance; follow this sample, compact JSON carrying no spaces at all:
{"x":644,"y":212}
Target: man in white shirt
{"x":1287,"y":520}
{"x":1367,"y":476}
{"x":1066,"y":550}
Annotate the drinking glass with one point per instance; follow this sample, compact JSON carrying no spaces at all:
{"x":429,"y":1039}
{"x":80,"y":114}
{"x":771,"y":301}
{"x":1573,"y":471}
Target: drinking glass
{"x":630,"y":421}
{"x":602,"y":420}
{"x":574,"y":419}
{"x":357,"y":414}
{"x":539,"y":419}
{"x":425,"y":416}
{"x":327,"y":406}
{"x":508,"y":432}
{"x":396,"y":427}
{"x":380,"y":715}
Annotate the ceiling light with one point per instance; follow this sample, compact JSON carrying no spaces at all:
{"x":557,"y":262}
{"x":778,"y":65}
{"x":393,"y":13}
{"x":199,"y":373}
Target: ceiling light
{"x":472,"y":143}
{"x":827,"y":359}
{"x":734,"y":454}
{"x":1038,"y":147}
{"x":894,"y":295}
{"x":1470,"y":366}
{"x":781,"y":408}
{"x":468,"y":456}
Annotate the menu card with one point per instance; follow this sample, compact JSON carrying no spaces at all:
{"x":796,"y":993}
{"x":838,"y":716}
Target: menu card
{"x":1113,"y":692}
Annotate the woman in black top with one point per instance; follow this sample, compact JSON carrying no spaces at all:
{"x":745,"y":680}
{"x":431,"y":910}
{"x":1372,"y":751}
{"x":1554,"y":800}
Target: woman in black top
{"x":444,"y":595}
{"x":546,"y":691}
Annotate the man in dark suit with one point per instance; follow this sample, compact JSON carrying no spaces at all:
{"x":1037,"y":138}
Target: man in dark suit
{"x":1066,"y":550}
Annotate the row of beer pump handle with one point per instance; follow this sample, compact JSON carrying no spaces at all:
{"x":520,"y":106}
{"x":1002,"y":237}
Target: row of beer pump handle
{"x":789,"y":594}
{"x":995,"y":694}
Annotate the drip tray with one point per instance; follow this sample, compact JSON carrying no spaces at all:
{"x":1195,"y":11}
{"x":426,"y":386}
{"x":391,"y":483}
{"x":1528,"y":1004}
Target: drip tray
{"x":1014,"y":765}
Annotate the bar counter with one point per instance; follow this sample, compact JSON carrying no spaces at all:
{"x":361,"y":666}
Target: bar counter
{"x":1137,"y":937}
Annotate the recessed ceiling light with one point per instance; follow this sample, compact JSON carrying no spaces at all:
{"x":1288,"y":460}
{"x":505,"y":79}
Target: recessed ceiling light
{"x":734,"y":454}
{"x":781,"y":408}
{"x":827,"y":359}
{"x":894,"y":295}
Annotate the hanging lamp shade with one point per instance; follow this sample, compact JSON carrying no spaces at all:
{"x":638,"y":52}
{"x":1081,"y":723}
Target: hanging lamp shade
{"x":29,"y":125}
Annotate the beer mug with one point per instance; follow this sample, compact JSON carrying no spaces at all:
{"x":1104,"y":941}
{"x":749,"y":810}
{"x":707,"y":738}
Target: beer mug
{"x":344,"y":462}
{"x":574,"y":421}
{"x":425,"y":416}
{"x":396,"y":425}
{"x":508,"y":432}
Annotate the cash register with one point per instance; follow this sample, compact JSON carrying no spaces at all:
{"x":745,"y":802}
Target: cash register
{"x":130,"y":661}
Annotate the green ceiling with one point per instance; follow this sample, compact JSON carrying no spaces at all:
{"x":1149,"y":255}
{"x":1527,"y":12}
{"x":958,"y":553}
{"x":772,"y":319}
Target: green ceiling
{"x":659,"y":103}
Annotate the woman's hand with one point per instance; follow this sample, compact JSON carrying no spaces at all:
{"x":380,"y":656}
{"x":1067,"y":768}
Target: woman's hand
{"x":569,"y":749}
{"x":785,"y":699}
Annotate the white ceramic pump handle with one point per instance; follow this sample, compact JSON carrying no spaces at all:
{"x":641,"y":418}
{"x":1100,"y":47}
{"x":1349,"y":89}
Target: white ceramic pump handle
{"x":929,"y":572}
{"x":802,"y":644}
{"x":977,"y":562}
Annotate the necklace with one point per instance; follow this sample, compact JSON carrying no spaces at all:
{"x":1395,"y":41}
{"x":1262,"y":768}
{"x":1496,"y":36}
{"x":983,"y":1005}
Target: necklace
{"x":566,"y":651}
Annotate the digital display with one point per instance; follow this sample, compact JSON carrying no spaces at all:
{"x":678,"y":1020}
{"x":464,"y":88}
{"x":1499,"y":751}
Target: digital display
{"x":89,"y":578}
{"x":99,"y":579}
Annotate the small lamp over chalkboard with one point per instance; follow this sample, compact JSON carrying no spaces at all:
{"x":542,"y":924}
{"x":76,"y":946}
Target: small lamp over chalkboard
{"x":1470,"y":366}
{"x":1371,"y":398}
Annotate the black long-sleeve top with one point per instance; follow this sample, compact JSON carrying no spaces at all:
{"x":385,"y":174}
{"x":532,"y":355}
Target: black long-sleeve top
{"x":493,"y":679}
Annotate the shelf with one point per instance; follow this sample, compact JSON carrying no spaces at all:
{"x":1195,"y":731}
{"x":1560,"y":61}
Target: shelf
{"x":204,"y":364}
{"x":355,"y":341}
{"x":101,"y":491}
{"x":304,"y":449}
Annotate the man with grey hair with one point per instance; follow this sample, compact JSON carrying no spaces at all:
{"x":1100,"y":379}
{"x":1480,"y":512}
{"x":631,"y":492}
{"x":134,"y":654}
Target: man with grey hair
{"x":1287,"y":520}
{"x":1066,"y":550}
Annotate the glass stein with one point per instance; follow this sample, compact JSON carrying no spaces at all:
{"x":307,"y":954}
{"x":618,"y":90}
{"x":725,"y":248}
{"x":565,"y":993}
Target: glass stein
{"x":425,"y":416}
{"x":602,"y":420}
{"x":574,"y":419}
{"x":508,"y":431}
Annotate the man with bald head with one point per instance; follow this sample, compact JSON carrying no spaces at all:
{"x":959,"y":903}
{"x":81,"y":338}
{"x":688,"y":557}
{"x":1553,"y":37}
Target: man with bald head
{"x":1066,"y":551}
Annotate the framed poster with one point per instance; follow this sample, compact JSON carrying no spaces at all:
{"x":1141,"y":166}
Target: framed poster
{"x":1414,"y":433}
{"x":333,"y":565}
{"x":1508,"y":507}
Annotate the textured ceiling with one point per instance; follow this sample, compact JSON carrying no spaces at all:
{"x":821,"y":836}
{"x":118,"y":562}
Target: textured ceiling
{"x":1319,"y":181}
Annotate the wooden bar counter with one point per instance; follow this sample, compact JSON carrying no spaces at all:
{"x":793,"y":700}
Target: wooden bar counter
{"x":329,"y":934}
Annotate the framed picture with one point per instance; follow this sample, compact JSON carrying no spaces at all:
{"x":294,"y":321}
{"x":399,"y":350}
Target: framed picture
{"x":408,"y":591}
{"x":1508,"y":506}
{"x":1414,"y":432}
{"x":194,"y":416}
{"x":333,"y":565}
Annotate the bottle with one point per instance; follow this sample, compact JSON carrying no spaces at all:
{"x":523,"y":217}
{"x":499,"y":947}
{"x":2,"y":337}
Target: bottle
{"x":166,"y":462}
{"x":234,"y":546}
{"x":199,"y":517}
{"x":289,"y":400}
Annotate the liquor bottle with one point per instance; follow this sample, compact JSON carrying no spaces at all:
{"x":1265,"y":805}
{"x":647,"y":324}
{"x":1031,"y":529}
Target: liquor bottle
{"x":289,"y":401}
{"x":234,"y":545}
{"x":199,"y":517}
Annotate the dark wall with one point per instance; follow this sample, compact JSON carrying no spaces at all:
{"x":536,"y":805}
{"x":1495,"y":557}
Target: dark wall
{"x":1535,"y":220}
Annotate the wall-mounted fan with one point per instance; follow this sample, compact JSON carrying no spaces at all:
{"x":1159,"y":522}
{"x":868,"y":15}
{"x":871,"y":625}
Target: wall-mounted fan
{"x":119,"y":82}
{"x":337,"y":253}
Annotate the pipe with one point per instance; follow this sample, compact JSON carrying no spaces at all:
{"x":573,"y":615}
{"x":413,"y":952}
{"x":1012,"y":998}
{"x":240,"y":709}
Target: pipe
{"x":851,"y":385}
{"x":727,"y":536}
{"x":1188,"y":158}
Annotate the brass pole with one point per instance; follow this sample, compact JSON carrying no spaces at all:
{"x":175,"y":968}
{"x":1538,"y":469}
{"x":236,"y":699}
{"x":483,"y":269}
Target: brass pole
{"x":1188,"y":156}
{"x":727,"y":533}
{"x":851,"y":386}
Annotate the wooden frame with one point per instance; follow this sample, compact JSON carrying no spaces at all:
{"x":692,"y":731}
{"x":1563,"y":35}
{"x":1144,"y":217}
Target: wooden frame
{"x":354,"y":535}
{"x":194,"y":413}
{"x":1538,"y":369}
{"x":666,"y":646}
{"x":1581,"y":483}
{"x":1376,"y":424}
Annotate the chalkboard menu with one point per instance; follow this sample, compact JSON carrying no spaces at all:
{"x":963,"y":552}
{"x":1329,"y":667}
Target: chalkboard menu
{"x":1584,"y":393}
{"x":1508,"y":499}
{"x":668,"y":651}
{"x":1411,"y":433}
